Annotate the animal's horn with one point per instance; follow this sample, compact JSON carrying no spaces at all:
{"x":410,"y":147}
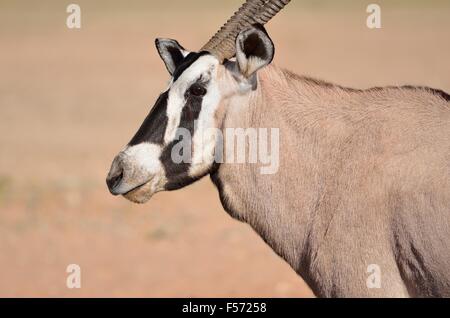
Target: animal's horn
{"x":222,"y":44}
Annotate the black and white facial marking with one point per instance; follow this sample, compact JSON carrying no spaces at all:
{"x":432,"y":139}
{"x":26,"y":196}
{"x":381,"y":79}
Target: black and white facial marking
{"x":145,"y":165}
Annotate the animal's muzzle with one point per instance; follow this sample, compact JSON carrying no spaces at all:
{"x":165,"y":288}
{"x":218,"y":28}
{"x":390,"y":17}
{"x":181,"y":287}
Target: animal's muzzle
{"x":115,"y":176}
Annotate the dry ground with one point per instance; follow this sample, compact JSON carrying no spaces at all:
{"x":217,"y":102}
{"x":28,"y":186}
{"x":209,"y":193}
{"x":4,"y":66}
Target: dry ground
{"x":70,"y":99}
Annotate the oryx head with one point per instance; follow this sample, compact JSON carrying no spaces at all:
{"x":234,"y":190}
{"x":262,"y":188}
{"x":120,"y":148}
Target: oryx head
{"x":200,"y":83}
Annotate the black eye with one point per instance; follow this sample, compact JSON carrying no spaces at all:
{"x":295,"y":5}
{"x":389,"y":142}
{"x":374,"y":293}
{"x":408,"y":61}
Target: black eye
{"x":197,"y":90}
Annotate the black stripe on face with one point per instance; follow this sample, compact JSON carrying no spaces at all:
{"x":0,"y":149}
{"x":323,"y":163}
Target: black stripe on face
{"x":154,"y":126}
{"x":191,"y":109}
{"x":177,"y":174}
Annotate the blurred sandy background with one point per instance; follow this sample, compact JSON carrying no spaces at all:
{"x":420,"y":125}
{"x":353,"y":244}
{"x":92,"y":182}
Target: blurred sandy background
{"x":70,"y":99}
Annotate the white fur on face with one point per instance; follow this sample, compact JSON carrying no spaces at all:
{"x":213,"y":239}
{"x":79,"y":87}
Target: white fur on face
{"x":146,"y":156}
{"x":142,"y":170}
{"x":174,"y":106}
{"x":140,"y":164}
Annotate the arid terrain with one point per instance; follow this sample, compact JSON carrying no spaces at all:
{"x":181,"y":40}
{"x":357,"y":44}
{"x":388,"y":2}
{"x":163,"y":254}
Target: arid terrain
{"x":70,"y":99}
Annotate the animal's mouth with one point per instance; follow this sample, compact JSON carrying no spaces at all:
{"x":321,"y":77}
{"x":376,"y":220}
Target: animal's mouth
{"x":141,"y":193}
{"x":136,"y":188}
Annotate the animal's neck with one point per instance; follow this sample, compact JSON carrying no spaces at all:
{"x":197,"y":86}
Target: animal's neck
{"x":274,"y":205}
{"x":287,"y":208}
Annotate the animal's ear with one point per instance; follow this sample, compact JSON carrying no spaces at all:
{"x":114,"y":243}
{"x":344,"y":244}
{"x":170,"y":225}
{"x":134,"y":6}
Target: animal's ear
{"x":171,"y":52}
{"x":254,"y":50}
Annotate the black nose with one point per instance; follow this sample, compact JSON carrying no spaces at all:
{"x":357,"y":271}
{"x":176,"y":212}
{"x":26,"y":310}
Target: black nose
{"x":114,"y":177}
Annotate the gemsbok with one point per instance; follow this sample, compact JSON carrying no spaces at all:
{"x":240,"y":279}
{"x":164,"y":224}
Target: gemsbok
{"x":363,"y":177}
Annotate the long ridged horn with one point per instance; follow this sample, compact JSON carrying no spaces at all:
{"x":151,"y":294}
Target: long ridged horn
{"x":222,"y":44}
